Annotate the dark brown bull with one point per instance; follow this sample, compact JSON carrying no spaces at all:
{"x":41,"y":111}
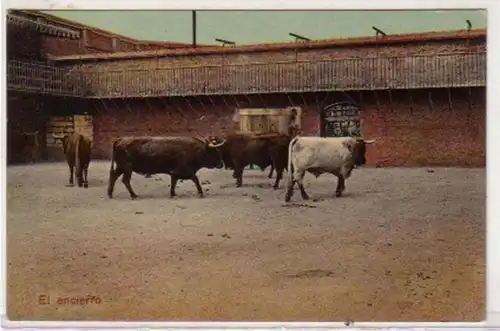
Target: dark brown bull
{"x":77,"y":149}
{"x":263,"y":150}
{"x":228,"y":163}
{"x":23,"y":146}
{"x":179,"y":157}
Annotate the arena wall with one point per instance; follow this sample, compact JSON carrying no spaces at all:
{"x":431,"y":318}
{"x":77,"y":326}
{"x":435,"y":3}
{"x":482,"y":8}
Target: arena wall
{"x":422,"y":131}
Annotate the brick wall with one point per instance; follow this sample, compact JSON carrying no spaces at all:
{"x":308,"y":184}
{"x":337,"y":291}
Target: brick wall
{"x":415,"y":132}
{"x":427,"y":134}
{"x":95,"y":42}
{"x":23,"y":44}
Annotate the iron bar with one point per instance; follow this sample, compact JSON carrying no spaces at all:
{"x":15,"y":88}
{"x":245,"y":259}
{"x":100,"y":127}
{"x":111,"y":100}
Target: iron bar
{"x":225,"y":42}
{"x":379,"y":32}
{"x":194,"y":27}
{"x":299,"y":37}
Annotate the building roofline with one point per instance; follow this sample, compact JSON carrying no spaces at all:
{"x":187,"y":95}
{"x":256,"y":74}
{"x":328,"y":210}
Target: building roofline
{"x":81,"y":26}
{"x":317,"y":44}
{"x":43,"y":26}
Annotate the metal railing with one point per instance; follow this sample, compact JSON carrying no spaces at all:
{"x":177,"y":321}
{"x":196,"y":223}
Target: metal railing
{"x":43,"y":78}
{"x":380,"y":73}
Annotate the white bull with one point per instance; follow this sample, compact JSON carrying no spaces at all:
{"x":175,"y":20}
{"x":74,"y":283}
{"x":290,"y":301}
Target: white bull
{"x":318,"y":155}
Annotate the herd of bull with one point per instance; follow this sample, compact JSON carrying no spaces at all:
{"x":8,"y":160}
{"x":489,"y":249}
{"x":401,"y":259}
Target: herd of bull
{"x":182,"y":157}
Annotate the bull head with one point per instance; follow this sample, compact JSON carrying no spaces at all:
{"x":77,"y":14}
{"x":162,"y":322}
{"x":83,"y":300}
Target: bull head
{"x":212,"y":142}
{"x":358,"y":150}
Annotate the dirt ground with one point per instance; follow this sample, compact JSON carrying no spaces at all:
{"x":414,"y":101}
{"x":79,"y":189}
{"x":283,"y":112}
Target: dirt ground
{"x":401,"y":245}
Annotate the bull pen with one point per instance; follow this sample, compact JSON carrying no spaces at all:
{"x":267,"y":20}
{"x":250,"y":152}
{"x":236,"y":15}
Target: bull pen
{"x":405,"y":242}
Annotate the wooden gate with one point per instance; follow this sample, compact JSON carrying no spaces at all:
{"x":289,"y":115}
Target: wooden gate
{"x":264,"y":120}
{"x":66,"y":125}
{"x":341,"y":119}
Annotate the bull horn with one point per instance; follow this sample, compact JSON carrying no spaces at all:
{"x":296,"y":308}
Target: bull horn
{"x":203,"y":140}
{"x":369,"y":141}
{"x":212,"y":145}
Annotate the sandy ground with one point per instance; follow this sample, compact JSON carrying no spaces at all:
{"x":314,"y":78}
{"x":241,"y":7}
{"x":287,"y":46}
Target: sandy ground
{"x":401,"y":245}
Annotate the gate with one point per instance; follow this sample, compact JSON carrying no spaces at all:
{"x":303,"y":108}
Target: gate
{"x":340,"y":119}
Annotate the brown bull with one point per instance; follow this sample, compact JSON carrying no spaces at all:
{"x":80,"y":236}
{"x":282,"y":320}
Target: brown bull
{"x":263,"y":150}
{"x":23,"y":146}
{"x":228,"y":164}
{"x":77,"y":149}
{"x":179,"y":157}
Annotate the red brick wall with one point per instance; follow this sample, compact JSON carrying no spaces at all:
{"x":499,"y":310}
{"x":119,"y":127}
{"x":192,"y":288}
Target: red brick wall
{"x":420,"y":134}
{"x":91,"y":42}
{"x":426,"y":134}
{"x":23,"y":44}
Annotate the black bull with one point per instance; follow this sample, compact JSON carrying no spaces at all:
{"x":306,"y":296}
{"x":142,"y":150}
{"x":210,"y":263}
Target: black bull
{"x":263,"y":150}
{"x":179,"y":157}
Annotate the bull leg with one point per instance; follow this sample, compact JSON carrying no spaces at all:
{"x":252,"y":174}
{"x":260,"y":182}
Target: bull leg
{"x":173,"y":184}
{"x":340,"y":186}
{"x":127,"y":176}
{"x":79,"y":177}
{"x":85,"y":174}
{"x":299,"y":175}
{"x":71,"y":180}
{"x":238,"y":172}
{"x":289,"y":189}
{"x":271,"y":172}
{"x":279,"y":176}
{"x":198,"y":185}
{"x":113,"y":176}
{"x":239,"y":175}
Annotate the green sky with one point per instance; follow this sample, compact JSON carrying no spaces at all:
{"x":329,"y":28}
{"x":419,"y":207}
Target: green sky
{"x":246,"y":27}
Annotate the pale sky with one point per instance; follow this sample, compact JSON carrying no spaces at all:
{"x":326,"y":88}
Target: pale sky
{"x":247,"y":27}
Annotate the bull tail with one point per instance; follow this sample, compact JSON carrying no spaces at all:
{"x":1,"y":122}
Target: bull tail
{"x":78,"y":166}
{"x":113,"y":156}
{"x":290,"y":164}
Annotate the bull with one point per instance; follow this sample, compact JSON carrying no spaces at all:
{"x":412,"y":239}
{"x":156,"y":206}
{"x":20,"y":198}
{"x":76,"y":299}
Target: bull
{"x":317,"y":155}
{"x":179,"y":157}
{"x":78,"y":149}
{"x":262,"y":150}
{"x":23,"y":146}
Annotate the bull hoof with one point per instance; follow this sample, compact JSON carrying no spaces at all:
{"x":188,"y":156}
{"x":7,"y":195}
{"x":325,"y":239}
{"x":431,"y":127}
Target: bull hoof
{"x":133,"y":197}
{"x":85,"y":185}
{"x":338,"y":194}
{"x":275,"y":187}
{"x":305,"y":197}
{"x":201,"y":196}
{"x":270,"y":176}
{"x":288,"y":198}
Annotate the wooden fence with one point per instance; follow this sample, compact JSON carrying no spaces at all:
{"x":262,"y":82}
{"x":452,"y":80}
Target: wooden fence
{"x":376,"y":73}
